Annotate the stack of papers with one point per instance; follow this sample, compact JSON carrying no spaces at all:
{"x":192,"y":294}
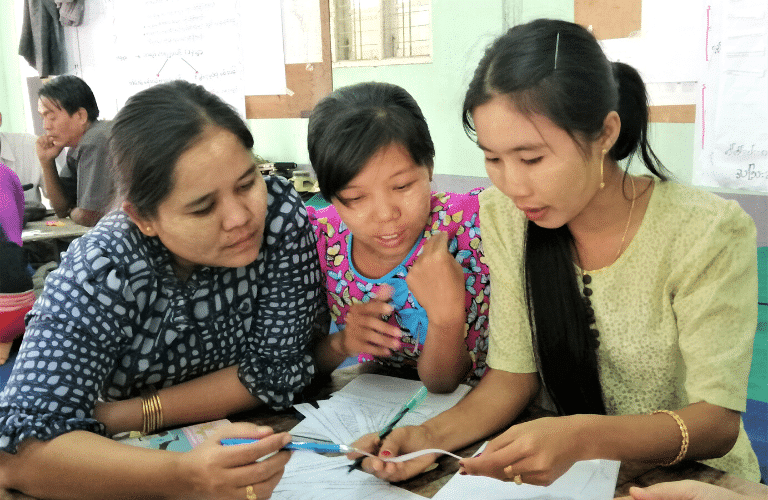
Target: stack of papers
{"x":311,"y":476}
{"x":366,"y":405}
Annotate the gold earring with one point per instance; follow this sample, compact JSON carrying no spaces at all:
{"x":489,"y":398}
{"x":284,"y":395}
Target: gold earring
{"x":602,"y":159}
{"x":149,"y":228}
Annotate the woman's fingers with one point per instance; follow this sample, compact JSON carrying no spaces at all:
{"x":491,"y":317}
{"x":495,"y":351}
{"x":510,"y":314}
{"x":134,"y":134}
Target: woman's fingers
{"x":365,"y":331}
{"x":369,"y":443}
{"x":248,"y":453}
{"x":269,"y":470}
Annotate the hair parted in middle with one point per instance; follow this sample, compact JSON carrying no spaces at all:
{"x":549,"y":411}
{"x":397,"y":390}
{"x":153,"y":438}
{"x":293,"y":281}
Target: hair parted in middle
{"x":350,"y":125}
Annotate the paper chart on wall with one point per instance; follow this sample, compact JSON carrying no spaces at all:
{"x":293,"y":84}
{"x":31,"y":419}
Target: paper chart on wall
{"x":732,"y":112}
{"x":200,"y":41}
{"x":663,"y":51}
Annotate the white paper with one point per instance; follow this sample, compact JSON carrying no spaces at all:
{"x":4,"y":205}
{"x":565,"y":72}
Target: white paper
{"x":366,"y":405}
{"x":196,"y":40}
{"x":261,"y":44}
{"x":311,"y":476}
{"x":301,"y":22}
{"x":732,"y":109}
{"x":586,"y":480}
{"x":663,"y":50}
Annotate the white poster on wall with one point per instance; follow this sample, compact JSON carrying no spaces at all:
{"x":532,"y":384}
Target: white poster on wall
{"x":663,"y":50}
{"x":732,"y":110}
{"x":233,"y":48}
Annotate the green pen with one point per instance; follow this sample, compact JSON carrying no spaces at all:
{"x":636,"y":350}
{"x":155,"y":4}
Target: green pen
{"x":412,"y":404}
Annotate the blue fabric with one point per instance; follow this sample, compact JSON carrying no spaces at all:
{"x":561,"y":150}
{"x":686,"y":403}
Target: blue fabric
{"x":756,"y":425}
{"x":113,"y":318}
{"x":5,"y":370}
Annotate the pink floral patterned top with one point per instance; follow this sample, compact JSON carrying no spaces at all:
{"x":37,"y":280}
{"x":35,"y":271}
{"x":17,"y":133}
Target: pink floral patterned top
{"x":455,"y":214}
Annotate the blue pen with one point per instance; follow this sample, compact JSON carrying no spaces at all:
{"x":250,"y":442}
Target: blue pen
{"x":298,"y":445}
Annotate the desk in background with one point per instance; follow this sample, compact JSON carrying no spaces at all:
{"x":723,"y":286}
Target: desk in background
{"x":41,"y":231}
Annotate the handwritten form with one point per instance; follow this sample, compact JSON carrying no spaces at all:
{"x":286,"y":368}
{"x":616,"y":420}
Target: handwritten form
{"x":311,"y":476}
{"x":732,"y":109}
{"x":365,"y":405}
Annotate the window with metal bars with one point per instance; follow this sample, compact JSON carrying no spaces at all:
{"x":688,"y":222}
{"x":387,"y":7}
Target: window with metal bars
{"x":383,"y":31}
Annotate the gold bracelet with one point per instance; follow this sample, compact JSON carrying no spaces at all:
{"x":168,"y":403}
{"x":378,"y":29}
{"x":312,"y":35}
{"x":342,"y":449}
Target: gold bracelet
{"x":151,"y":410}
{"x":683,"y":430}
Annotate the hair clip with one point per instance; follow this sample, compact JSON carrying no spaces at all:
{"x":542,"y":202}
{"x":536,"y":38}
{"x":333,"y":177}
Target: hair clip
{"x":557,"y":48}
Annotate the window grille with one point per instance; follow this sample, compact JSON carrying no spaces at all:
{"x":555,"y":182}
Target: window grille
{"x":384,"y":31}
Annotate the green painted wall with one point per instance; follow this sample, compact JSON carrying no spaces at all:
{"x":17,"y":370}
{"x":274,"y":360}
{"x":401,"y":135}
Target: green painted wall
{"x":461,"y":31}
{"x":11,"y":96}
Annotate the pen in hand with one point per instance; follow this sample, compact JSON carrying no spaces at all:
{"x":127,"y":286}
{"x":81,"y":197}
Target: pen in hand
{"x":412,"y":404}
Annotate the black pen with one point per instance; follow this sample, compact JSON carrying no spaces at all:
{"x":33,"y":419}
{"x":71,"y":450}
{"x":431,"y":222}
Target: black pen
{"x":415,"y":401}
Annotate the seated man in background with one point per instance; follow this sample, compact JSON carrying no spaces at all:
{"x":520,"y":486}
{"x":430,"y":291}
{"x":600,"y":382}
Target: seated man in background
{"x":70,"y":114}
{"x":17,"y":152}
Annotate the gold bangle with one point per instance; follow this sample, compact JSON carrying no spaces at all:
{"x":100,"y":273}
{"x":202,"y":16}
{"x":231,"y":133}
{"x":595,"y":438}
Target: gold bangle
{"x":683,"y":430}
{"x":151,"y":410}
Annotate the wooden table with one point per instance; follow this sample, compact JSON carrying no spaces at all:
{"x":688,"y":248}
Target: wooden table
{"x":428,"y":483}
{"x":41,"y":231}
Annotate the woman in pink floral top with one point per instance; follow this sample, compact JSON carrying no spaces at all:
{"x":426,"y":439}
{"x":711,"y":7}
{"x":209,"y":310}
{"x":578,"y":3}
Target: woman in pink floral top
{"x":405,"y":280}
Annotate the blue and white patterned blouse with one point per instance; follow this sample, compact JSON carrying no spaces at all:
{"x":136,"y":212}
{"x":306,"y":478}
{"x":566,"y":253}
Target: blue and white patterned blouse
{"x":114,"y":318}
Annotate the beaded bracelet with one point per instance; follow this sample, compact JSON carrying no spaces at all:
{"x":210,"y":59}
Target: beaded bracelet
{"x":683,"y":430}
{"x":151,"y":410}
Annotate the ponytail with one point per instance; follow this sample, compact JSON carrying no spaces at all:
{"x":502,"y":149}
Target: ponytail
{"x":557,"y":69}
{"x":633,"y":112}
{"x":560,"y":323}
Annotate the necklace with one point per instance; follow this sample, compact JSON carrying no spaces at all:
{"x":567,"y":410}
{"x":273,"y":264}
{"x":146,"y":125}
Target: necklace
{"x":586,"y":279}
{"x":629,"y":220}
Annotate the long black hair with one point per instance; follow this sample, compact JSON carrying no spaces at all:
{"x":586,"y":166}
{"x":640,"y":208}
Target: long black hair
{"x":557,"y":69}
{"x":154,"y":128}
{"x":353,"y":123}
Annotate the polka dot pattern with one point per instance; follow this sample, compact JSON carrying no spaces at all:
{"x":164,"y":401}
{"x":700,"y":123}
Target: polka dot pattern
{"x":114,"y":318}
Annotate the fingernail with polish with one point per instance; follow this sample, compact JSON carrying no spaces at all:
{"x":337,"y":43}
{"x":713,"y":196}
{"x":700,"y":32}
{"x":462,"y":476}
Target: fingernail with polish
{"x":385,"y":453}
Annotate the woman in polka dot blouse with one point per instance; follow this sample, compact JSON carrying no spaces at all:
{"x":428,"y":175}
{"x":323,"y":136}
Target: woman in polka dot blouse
{"x":208,"y":275}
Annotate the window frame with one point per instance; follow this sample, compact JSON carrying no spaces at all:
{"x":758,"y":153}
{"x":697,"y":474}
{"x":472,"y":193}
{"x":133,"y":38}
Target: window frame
{"x":388,"y":15}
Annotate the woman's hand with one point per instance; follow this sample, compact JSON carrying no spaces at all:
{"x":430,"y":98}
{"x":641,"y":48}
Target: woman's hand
{"x":365,"y":331}
{"x":437,"y":281}
{"x":399,"y":442}
{"x":119,"y":416}
{"x":213,"y":471}
{"x":683,"y":490}
{"x":538,"y":451}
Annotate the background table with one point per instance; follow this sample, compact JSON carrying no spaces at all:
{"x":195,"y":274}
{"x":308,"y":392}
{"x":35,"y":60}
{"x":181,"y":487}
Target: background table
{"x":40,"y":231}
